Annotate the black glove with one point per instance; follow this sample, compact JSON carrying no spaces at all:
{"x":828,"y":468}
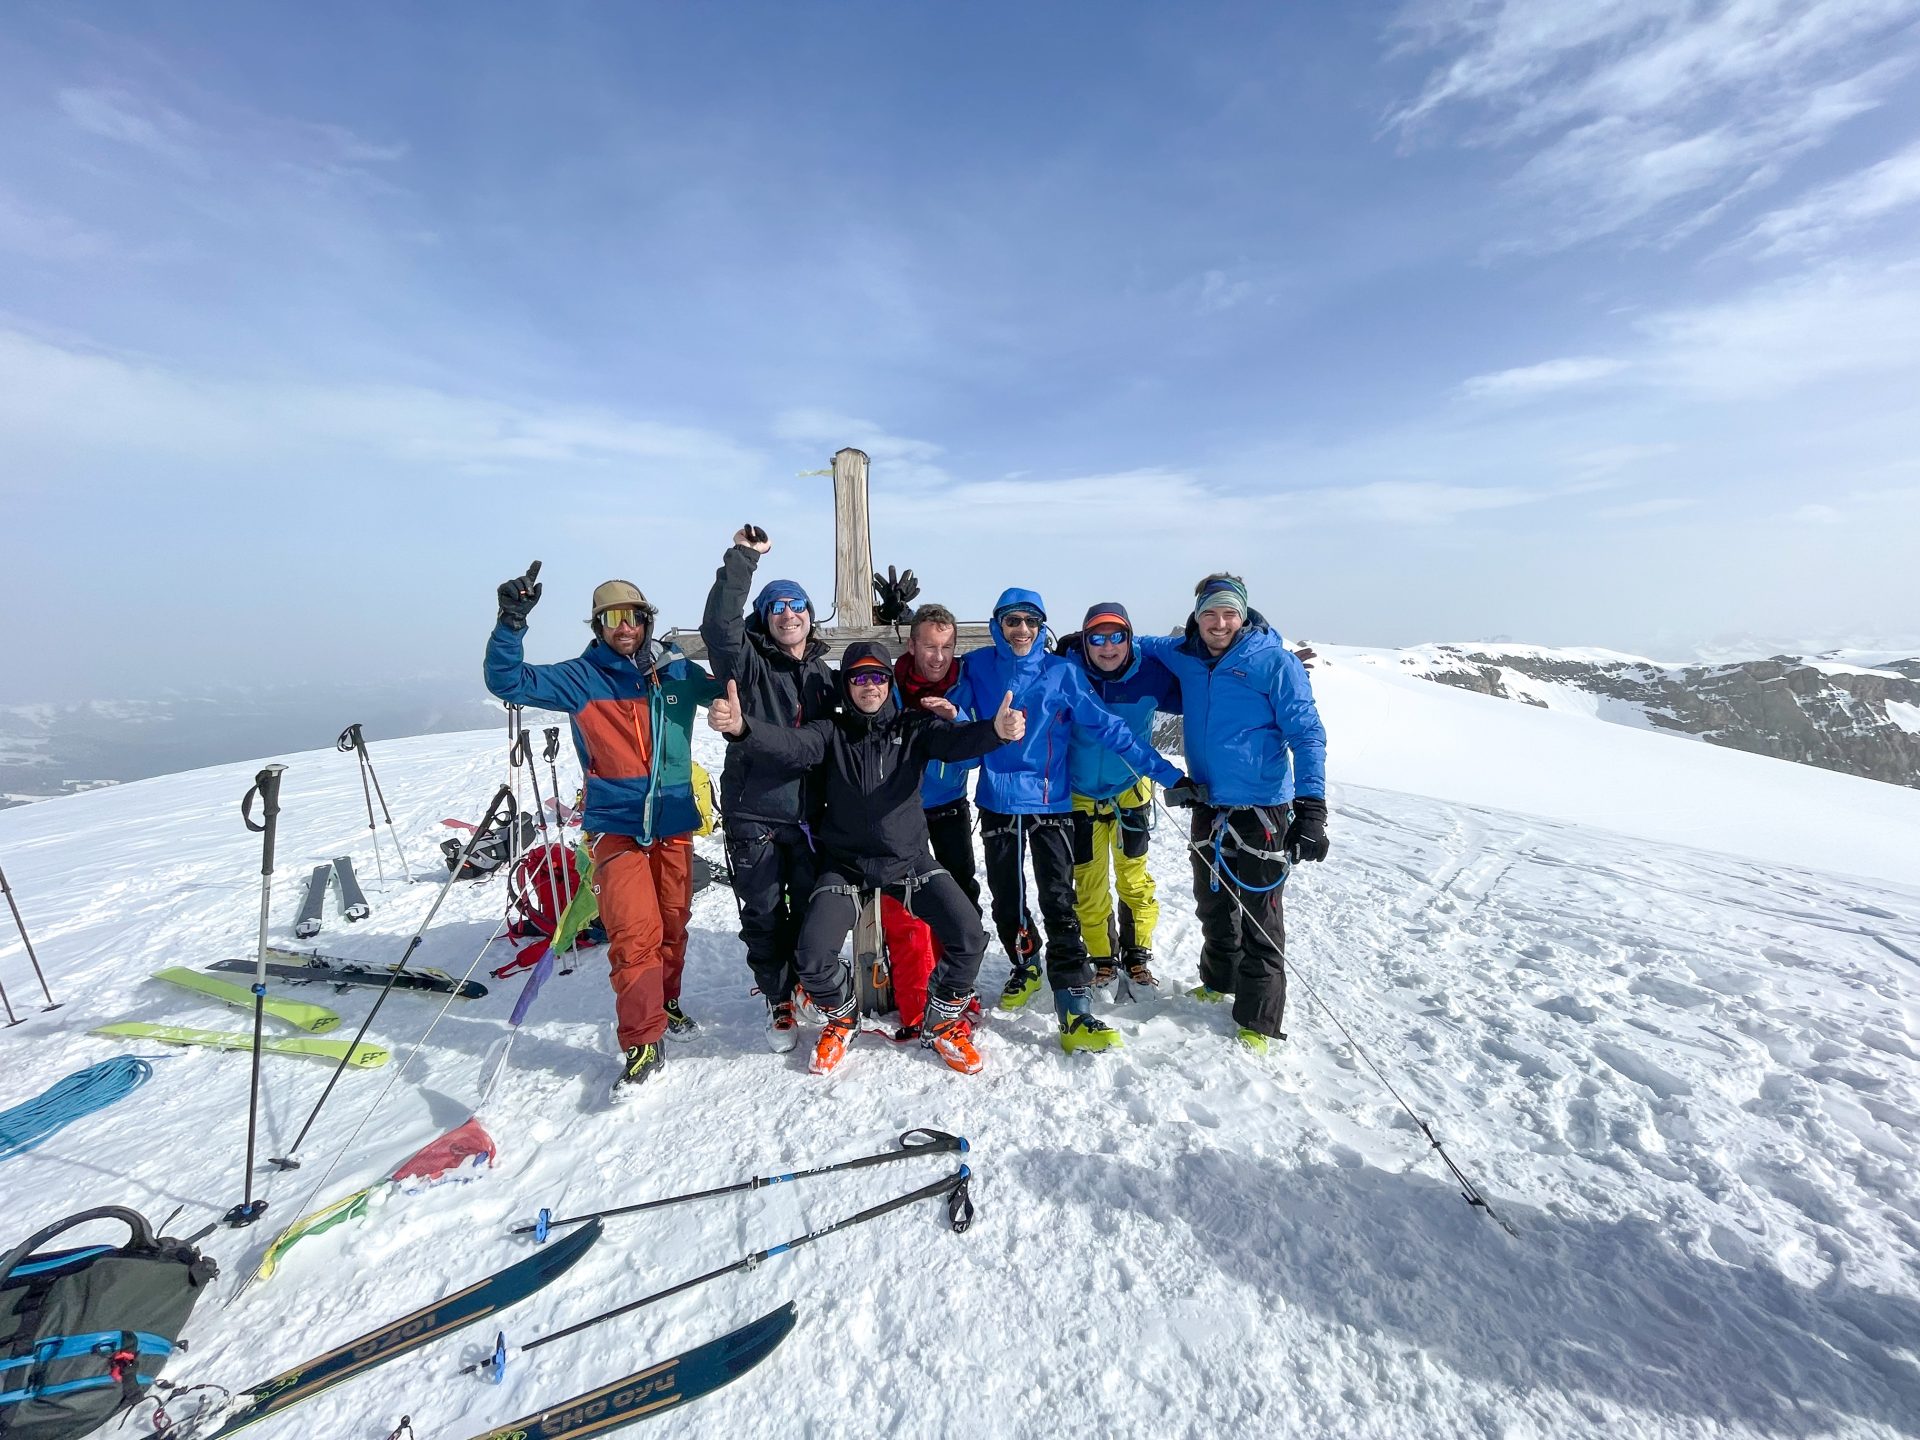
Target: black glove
{"x":518,"y":596}
{"x":1183,"y":792}
{"x":1307,"y":831}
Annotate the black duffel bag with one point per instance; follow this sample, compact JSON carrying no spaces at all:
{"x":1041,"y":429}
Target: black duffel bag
{"x":83,"y":1333}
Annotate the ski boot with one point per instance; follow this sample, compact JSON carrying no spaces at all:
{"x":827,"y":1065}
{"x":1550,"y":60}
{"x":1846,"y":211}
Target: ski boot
{"x":1103,"y":972}
{"x":1080,"y":1029}
{"x":835,"y":1037}
{"x":1140,"y":974}
{"x":783,"y":1032}
{"x":1022,"y":985}
{"x":1208,"y":994}
{"x":1252,"y":1040}
{"x":677,"y":1021}
{"x":947,"y":1032}
{"x":805,"y":1012}
{"x":642,"y":1063}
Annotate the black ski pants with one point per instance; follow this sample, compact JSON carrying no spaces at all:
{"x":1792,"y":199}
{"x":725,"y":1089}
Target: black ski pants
{"x":934,"y":896}
{"x":1047,"y":841}
{"x":1238,"y":956}
{"x":773,"y":869}
{"x":950,"y":827}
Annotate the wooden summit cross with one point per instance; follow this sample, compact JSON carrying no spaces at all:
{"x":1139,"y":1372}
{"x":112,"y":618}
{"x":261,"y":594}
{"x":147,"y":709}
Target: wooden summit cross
{"x":852,"y":612}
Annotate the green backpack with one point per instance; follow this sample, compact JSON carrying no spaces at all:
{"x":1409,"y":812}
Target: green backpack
{"x":83,"y":1333}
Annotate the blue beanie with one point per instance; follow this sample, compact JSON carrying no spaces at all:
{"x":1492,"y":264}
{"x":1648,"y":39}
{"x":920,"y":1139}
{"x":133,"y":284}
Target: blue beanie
{"x":778,"y":590}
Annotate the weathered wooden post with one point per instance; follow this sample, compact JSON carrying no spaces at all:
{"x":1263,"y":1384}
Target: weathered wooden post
{"x":852,"y":542}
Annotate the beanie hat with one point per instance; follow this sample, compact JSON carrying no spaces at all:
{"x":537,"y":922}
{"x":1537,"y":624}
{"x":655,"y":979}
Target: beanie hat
{"x":1107,"y":612}
{"x":615,"y":593}
{"x":1221,"y":592}
{"x":779,"y":590}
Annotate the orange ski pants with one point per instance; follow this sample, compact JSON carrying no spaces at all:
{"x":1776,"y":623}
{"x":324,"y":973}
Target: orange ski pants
{"x":645,"y":895}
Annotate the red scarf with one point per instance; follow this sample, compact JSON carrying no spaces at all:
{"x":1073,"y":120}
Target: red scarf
{"x":913,"y":689}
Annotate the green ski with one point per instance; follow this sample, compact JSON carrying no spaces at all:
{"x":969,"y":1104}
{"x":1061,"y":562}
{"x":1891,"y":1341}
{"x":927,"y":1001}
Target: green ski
{"x":366,"y":1057}
{"x":314,"y":1019}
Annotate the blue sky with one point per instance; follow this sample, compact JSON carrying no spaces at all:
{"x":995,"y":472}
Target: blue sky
{"x":1583,"y":324}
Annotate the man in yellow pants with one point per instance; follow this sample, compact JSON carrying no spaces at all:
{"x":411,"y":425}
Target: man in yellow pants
{"x":1112,"y":803}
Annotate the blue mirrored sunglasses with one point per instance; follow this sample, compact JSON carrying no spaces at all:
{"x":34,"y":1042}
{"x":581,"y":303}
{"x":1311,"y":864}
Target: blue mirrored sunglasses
{"x":784,"y":606}
{"x":1107,"y":637}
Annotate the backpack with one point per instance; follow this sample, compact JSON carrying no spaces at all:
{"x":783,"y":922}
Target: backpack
{"x":492,"y":849}
{"x":84,"y":1333}
{"x":533,"y":907}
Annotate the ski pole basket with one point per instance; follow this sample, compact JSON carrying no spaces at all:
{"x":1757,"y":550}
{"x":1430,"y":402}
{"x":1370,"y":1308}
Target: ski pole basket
{"x":84,"y":1332}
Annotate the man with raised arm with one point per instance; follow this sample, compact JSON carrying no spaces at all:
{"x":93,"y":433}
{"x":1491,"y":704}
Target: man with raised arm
{"x":872,"y":831}
{"x":1026,"y":804}
{"x":781,"y":668}
{"x":631,"y":699}
{"x":1258,"y":756}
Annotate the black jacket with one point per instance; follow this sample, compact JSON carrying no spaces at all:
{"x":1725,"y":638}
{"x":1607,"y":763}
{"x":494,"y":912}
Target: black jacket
{"x":775,"y":689}
{"x":868,"y":823}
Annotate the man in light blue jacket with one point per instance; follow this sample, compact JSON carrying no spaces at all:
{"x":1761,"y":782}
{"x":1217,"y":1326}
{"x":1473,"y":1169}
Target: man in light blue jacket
{"x":1258,"y":757}
{"x":1025,"y":798}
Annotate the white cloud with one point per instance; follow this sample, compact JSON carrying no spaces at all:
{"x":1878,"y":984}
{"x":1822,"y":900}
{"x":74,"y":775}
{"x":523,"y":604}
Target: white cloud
{"x":1834,"y":211}
{"x":1218,"y":292}
{"x":904,"y":460}
{"x":63,"y":406}
{"x":1646,"y":117}
{"x":1547,"y":377}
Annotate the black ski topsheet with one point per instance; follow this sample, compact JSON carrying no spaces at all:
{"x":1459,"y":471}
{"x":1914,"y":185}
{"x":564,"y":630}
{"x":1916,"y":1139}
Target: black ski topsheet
{"x":307,"y":923}
{"x":346,"y":885}
{"x":300,"y":970}
{"x":700,"y":1371}
{"x":410,"y":1332}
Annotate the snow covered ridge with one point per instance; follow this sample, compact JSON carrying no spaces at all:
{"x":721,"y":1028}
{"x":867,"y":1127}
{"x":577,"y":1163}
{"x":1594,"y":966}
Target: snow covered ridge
{"x":1689,"y":1074}
{"x":1835,"y":711}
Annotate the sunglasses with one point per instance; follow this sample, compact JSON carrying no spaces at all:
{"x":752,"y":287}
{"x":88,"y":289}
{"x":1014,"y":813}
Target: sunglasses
{"x":1019,"y":620}
{"x":868,"y":677}
{"x":784,"y":606}
{"x":1106,"y":638}
{"x":623,"y":615}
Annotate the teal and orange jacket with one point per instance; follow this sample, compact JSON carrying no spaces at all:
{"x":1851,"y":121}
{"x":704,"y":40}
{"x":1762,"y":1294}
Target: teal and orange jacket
{"x":632,"y":728}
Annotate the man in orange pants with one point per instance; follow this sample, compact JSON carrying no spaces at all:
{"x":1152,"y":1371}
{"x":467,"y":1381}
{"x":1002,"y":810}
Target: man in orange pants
{"x":632,"y":700}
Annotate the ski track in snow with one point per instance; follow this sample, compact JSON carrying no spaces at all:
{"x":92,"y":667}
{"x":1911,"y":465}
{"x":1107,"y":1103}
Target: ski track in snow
{"x":1688,"y":1079}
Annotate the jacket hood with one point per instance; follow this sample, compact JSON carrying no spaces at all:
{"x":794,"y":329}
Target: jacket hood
{"x":1075,"y":646}
{"x":1015,"y":598}
{"x":649,"y":657}
{"x":849,"y":659}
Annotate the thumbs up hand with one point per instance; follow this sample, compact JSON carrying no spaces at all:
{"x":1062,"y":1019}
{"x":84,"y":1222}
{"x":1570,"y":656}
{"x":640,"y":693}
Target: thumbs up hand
{"x":1009,"y":723}
{"x":726,"y":715}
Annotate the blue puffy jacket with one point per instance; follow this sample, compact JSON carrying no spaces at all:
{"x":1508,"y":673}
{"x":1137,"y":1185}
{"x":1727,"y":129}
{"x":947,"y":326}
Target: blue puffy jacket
{"x":1253,"y":733}
{"x":1134,"y":693}
{"x":1029,"y":777}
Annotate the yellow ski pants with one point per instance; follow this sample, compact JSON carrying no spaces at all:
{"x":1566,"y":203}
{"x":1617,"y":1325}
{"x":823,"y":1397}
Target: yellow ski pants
{"x":1110,"y":837}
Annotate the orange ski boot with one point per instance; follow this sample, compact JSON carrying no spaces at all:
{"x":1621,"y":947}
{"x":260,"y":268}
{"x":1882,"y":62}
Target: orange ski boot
{"x":835,"y":1037}
{"x":948,"y":1032}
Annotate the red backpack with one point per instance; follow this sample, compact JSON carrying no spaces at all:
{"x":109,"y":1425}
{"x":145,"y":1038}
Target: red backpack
{"x":533,"y":905}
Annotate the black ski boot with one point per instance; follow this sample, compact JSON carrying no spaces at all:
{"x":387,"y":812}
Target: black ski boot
{"x":642,"y":1063}
{"x":677,"y":1021}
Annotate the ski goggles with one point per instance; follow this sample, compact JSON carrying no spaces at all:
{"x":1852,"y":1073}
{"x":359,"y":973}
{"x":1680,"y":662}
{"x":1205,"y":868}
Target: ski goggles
{"x":1108,"y":637}
{"x":624,"y":615}
{"x":869,"y":677}
{"x":784,"y":606}
{"x":1020,"y":620}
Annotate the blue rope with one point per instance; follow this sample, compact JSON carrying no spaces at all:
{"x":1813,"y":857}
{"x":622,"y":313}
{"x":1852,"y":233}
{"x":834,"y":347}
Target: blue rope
{"x":1220,"y":866}
{"x":71,"y":1099}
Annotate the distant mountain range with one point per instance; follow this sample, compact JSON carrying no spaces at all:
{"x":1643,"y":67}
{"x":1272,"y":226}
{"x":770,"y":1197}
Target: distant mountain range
{"x":1853,"y":711}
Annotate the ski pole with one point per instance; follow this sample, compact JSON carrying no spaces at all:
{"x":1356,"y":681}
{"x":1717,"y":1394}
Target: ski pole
{"x":918,"y":1141}
{"x":12,"y":1019}
{"x":502,"y":796}
{"x":266,"y":785}
{"x":959,"y":1217}
{"x":351,"y":735}
{"x":551,"y":755}
{"x":548,"y":848}
{"x":26,"y":940}
{"x":346,"y":745}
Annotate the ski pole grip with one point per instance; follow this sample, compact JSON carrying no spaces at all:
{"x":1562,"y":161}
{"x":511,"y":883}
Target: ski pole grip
{"x":552,"y":751}
{"x":923,"y":1137}
{"x":522,"y":749}
{"x":350,"y":740}
{"x":501,"y":805}
{"x":266,"y":785}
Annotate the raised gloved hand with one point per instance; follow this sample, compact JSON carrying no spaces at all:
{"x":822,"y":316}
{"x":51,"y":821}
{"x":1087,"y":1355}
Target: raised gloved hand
{"x":518,"y":596}
{"x":1183,"y":793}
{"x":1307,"y":831}
{"x":753,"y":537}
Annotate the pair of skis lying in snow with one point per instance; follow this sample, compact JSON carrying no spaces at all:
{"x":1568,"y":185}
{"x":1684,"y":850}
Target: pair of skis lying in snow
{"x":296,"y":967}
{"x":337,"y":876}
{"x":645,"y":1392}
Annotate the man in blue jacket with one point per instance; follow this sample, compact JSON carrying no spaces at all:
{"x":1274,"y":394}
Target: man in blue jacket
{"x":1025,"y":800}
{"x":1258,"y":757}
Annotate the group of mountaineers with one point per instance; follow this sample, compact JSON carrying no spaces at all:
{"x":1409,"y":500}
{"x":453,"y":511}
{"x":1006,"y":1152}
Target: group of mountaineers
{"x":840,"y":782}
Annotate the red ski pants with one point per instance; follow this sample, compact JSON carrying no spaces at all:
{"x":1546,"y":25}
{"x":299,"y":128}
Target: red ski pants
{"x":645,"y":894}
{"x":911,"y":950}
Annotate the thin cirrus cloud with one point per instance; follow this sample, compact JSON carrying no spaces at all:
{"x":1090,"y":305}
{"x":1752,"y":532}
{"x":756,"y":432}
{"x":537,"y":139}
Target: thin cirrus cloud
{"x":1646,"y":117}
{"x":1838,"y":210}
{"x":1549,"y":377}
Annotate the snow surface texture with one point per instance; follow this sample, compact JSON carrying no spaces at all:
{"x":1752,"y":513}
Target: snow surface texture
{"x":1689,"y":1077}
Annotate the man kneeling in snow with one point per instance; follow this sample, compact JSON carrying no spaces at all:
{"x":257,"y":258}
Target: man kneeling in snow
{"x":871,"y":833}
